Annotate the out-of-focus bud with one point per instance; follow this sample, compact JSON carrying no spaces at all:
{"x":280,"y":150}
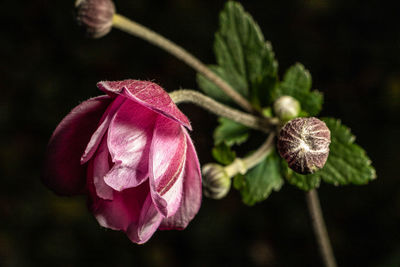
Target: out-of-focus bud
{"x":95,"y":16}
{"x":304,"y":144}
{"x":216,"y":182}
{"x":286,"y":108}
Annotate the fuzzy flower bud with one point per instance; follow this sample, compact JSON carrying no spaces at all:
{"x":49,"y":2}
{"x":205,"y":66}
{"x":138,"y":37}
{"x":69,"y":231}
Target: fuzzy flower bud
{"x":216,"y":181}
{"x":96,"y":16}
{"x":304,"y":144}
{"x":286,"y":108}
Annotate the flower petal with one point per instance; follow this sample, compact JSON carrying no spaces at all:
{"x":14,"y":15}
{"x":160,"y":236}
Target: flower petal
{"x":148,"y":94}
{"x":63,"y":172}
{"x":166,"y":164}
{"x":101,"y":166}
{"x":191,"y":199}
{"x":129,"y":140}
{"x":101,"y":129}
{"x":123,"y":210}
{"x":131,"y":211}
{"x":148,"y":223}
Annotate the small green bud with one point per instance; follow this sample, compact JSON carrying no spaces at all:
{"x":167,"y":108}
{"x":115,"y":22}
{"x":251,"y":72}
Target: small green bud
{"x":95,"y":16}
{"x":286,"y":108}
{"x":216,"y":182}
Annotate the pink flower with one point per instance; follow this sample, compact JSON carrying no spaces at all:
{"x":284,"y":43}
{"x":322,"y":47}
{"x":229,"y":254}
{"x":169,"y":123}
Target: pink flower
{"x":130,"y":153}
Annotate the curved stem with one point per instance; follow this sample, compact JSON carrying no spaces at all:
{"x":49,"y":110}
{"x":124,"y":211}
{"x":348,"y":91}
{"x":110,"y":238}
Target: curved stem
{"x":242,"y":165}
{"x":258,"y":123}
{"x":260,"y":153}
{"x":319,"y":226}
{"x":154,"y":38}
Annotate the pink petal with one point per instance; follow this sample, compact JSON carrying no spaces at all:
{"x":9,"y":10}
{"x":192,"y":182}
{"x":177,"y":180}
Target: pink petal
{"x":148,"y":223}
{"x":191,"y":199}
{"x":167,"y":159}
{"x":129,"y":140}
{"x":100,"y":167}
{"x":63,"y":172}
{"x":148,"y":94}
{"x":122,"y":211}
{"x":101,"y":129}
{"x":131,"y":211}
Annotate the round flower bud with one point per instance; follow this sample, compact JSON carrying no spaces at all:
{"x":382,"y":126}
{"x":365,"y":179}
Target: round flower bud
{"x":216,"y":182}
{"x":95,"y":16}
{"x":304,"y":144}
{"x":286,"y":108}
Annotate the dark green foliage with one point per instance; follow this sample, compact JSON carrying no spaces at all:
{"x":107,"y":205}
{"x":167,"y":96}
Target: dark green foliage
{"x":245,"y":60}
{"x":259,"y":182}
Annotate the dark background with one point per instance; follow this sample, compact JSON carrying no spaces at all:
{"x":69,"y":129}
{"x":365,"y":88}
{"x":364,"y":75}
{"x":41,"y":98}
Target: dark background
{"x":47,"y":67}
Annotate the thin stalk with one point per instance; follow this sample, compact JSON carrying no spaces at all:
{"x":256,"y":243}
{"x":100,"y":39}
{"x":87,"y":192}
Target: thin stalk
{"x":251,"y":121}
{"x":243,"y":165}
{"x":319,"y":227}
{"x":133,"y":28}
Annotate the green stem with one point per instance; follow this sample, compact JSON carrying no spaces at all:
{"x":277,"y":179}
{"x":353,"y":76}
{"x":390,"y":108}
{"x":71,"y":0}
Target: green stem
{"x":319,"y":227}
{"x":243,"y":165}
{"x":154,"y":38}
{"x":251,"y":121}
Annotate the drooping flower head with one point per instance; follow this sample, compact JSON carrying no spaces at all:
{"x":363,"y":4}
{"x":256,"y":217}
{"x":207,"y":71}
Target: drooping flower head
{"x":130,"y":152}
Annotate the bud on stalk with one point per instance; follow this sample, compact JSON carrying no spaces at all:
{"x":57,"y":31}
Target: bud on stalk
{"x":216,"y":181}
{"x":95,"y":16}
{"x":286,"y":108}
{"x":304,"y":144}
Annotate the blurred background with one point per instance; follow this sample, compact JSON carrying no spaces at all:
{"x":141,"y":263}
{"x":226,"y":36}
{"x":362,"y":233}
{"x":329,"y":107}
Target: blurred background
{"x":47,"y":67}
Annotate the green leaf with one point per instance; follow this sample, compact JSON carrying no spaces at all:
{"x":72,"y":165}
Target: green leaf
{"x":297,"y":83}
{"x":223,"y":154}
{"x":347,"y":163}
{"x":230,"y":132}
{"x":304,"y":182}
{"x":214,"y":91}
{"x":245,"y":60}
{"x":257,"y":184}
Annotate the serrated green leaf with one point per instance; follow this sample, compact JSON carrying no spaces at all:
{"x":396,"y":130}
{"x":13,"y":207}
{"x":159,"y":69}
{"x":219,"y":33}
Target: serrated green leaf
{"x":347,"y":163}
{"x":297,"y":83}
{"x":214,"y":91}
{"x":304,"y":182}
{"x":245,"y":60}
{"x":257,"y":184}
{"x":230,"y":132}
{"x":223,"y":154}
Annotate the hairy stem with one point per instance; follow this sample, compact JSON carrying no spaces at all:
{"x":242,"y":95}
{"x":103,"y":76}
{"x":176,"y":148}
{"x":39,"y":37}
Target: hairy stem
{"x":242,"y":165}
{"x":319,"y":226}
{"x":154,"y":38}
{"x":260,"y":153}
{"x":254,"y":122}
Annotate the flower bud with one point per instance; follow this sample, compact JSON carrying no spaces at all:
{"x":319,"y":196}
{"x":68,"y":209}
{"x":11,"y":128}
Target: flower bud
{"x":286,"y":108}
{"x":304,"y":144}
{"x":216,"y":182}
{"x":96,"y":16}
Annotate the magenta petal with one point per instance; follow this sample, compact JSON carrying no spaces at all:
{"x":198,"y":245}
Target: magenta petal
{"x":148,"y":223}
{"x":123,"y":210}
{"x":63,"y":172}
{"x":166,"y":164}
{"x":148,"y":94}
{"x":129,"y":140}
{"x":97,"y":135}
{"x":191,"y":199}
{"x":101,"y":166}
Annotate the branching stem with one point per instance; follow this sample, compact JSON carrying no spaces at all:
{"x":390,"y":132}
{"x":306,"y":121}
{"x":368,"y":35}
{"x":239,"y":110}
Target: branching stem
{"x":243,"y":165}
{"x":251,"y":121}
